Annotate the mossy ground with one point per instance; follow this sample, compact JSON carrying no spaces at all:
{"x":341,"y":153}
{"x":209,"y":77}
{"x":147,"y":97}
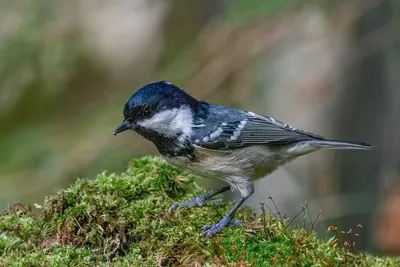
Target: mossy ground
{"x":122,"y":220}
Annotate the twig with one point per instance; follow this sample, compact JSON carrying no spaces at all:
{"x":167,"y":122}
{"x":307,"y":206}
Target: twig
{"x":277,"y":210}
{"x":264,"y":221}
{"x":309,"y":213}
{"x":319,"y":215}
{"x":292,"y":220}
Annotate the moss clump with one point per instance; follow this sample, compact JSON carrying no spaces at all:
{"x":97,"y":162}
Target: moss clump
{"x":122,"y":220}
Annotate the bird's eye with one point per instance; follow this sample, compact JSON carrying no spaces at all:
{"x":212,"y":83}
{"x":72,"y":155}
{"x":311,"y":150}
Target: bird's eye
{"x":146,"y":112}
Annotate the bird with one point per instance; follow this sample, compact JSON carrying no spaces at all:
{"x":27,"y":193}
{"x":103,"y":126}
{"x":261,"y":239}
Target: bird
{"x":215,"y":141}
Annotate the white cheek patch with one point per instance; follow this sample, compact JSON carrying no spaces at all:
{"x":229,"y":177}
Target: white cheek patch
{"x":171,"y":122}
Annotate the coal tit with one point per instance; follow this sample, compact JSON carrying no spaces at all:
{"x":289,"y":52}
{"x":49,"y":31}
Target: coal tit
{"x":233,"y":145}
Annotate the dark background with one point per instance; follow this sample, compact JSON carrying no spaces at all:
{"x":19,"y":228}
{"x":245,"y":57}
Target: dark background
{"x":330,"y":67}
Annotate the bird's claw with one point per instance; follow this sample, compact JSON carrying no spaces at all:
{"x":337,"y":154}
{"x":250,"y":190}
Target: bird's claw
{"x":235,"y":223}
{"x":213,"y":202}
{"x":210,"y":230}
{"x":173,"y":206}
{"x":198,"y":201}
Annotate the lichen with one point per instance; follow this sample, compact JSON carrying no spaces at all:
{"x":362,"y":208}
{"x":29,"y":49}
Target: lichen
{"x":122,"y":220}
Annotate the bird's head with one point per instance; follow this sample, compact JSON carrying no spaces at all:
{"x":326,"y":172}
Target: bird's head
{"x":160,"y":108}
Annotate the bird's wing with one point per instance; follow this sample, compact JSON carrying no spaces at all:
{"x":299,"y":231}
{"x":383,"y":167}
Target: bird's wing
{"x":253,"y":129}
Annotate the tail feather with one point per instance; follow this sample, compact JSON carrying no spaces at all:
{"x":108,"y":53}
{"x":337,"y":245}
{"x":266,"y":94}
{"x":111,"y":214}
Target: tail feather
{"x":336,"y":144}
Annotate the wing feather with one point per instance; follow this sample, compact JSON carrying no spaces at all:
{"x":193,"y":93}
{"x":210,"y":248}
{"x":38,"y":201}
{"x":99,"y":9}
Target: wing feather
{"x":255,"y":130}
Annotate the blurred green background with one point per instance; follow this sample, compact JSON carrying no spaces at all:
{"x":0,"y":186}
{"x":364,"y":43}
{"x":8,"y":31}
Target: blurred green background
{"x":330,"y":67}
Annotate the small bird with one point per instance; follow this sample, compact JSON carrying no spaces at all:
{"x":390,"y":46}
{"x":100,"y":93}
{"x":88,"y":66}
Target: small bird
{"x":219,"y":142}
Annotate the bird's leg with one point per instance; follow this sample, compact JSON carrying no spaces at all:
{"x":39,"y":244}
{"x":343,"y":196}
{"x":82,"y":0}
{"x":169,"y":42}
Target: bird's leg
{"x":210,"y":230}
{"x":200,"y":200}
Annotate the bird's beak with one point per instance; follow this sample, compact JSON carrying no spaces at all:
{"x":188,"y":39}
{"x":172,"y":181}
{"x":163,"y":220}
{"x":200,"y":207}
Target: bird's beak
{"x":122,"y":127}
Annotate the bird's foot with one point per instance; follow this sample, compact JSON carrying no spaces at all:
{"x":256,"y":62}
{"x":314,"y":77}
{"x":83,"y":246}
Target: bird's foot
{"x":210,"y":230}
{"x":198,"y":201}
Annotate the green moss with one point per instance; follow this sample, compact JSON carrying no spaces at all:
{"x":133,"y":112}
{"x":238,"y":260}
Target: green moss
{"x":122,"y":220}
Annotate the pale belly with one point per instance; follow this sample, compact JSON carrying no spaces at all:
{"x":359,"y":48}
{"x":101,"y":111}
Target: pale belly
{"x":250,"y":162}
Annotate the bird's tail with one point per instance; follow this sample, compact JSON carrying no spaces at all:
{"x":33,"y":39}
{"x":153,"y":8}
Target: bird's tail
{"x":336,"y":144}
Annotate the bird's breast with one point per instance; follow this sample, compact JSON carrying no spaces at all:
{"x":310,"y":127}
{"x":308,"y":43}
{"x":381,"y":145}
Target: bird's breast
{"x":252,"y":162}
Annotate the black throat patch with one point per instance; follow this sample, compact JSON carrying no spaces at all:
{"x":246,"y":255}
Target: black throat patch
{"x":169,"y":146}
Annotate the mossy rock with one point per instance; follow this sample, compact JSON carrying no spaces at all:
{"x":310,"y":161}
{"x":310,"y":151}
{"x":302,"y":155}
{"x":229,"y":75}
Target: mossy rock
{"x":122,"y":220}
